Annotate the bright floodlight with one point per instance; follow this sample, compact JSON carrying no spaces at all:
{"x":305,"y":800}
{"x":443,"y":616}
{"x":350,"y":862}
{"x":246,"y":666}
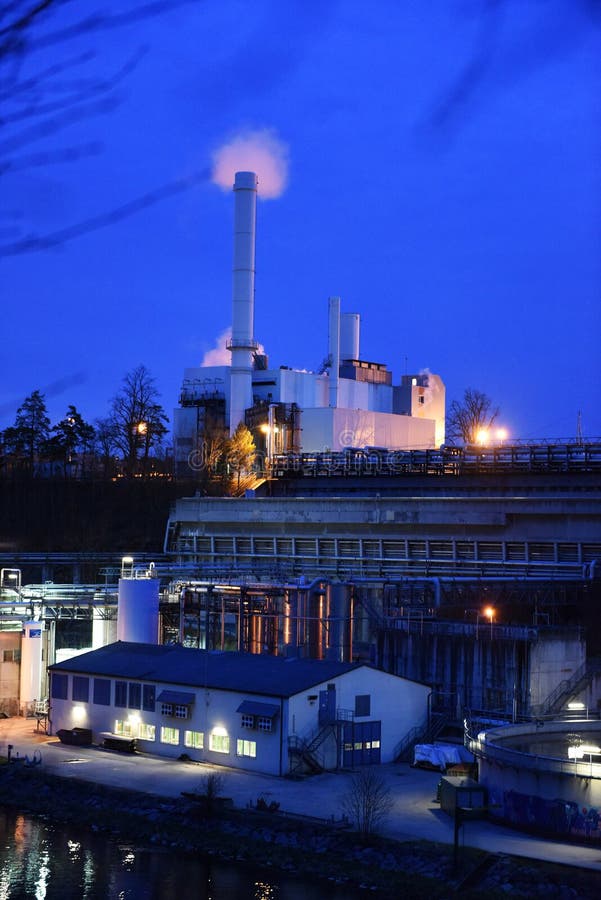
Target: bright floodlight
{"x":489,"y":612}
{"x":502,"y":434}
{"x":482,"y":436}
{"x":576,"y":704}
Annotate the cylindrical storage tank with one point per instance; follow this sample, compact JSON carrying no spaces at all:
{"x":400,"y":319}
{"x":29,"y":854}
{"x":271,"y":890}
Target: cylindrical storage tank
{"x":316,"y":621}
{"x":138,"y":610}
{"x":350,"y":324}
{"x":32,"y":636}
{"x":104,"y":628}
{"x":340,"y":622}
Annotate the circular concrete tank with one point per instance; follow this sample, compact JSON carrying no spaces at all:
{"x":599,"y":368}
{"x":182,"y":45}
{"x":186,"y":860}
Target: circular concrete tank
{"x":544,"y":776}
{"x":138,"y":610}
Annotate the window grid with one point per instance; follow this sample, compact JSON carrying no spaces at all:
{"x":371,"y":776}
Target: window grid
{"x":264,"y":723}
{"x":248,"y":721}
{"x":181,"y":711}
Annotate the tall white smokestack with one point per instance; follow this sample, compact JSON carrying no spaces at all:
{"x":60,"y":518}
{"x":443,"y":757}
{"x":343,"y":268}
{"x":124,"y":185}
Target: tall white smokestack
{"x":334,"y":348}
{"x":350,"y":324}
{"x":242,"y":343}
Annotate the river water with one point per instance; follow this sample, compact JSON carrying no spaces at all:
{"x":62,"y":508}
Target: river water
{"x":39,"y":860}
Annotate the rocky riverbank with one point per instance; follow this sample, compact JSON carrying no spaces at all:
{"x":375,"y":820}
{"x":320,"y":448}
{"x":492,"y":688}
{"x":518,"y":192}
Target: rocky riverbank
{"x":386,"y":868}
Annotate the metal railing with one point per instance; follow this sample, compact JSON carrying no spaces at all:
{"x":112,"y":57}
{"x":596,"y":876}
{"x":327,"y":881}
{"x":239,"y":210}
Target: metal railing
{"x":536,"y":762}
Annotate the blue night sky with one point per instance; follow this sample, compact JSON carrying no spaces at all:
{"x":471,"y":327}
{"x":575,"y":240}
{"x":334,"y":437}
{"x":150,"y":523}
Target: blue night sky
{"x":443,"y":179}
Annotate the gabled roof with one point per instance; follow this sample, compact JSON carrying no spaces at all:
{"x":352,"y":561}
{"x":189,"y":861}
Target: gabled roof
{"x":275,"y":676}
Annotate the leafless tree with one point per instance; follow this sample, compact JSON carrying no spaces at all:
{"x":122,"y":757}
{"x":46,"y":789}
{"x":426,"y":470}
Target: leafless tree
{"x":367,"y":801}
{"x":470,"y":416}
{"x":137,"y":420}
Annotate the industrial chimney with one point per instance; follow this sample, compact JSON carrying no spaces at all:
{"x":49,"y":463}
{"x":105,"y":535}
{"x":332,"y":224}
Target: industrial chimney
{"x":242,"y":343}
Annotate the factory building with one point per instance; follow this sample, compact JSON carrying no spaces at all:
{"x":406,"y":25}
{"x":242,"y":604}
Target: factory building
{"x":351,"y":402}
{"x":273,"y":715}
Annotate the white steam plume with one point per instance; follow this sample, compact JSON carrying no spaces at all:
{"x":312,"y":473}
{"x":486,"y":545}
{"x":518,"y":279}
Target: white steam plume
{"x":219,"y":355}
{"x":431,"y":387}
{"x":253,"y":151}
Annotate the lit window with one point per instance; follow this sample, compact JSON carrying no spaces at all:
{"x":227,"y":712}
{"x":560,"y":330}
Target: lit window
{"x":147,"y":732}
{"x":246,"y":748}
{"x":248,"y":721}
{"x":264,"y":723}
{"x":375,"y":745}
{"x":124,"y":728}
{"x":169,"y":735}
{"x":194,"y":739}
{"x":220,"y":743}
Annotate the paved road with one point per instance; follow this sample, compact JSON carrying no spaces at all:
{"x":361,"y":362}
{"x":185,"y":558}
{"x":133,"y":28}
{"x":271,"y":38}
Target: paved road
{"x":415,"y":814}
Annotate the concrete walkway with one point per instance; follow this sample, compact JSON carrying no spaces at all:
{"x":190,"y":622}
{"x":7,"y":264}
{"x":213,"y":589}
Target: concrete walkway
{"x":415,"y":813}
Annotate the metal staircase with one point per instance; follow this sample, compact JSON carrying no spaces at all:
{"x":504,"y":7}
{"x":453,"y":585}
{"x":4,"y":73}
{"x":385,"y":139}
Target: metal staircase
{"x":421,"y":734}
{"x":304,"y":752}
{"x":569,"y":688}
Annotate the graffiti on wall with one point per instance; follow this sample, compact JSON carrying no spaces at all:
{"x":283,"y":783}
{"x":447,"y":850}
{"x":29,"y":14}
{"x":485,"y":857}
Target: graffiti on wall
{"x":558,"y":816}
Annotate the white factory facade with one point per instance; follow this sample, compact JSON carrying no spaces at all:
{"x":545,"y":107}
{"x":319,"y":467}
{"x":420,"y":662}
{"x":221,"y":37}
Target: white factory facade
{"x":266,"y":714}
{"x":351,"y":402}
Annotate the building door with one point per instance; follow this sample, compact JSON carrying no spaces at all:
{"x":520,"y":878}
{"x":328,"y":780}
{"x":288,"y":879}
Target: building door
{"x":327,"y":705}
{"x":361,"y":744}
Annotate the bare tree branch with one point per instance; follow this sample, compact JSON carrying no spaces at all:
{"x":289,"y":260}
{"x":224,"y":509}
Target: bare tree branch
{"x":61,"y":236}
{"x":52,"y":100}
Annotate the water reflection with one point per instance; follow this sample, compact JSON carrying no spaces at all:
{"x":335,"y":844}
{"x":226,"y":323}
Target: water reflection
{"x":51,"y":862}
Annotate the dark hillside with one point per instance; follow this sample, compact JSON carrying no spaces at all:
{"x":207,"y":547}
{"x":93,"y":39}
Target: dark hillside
{"x":55,"y":515}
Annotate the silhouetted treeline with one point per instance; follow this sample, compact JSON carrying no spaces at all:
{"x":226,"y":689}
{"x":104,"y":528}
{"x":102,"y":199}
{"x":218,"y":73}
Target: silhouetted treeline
{"x":40,"y":515}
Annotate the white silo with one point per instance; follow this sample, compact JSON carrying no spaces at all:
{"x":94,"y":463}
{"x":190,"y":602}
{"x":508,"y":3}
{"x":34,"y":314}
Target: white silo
{"x":242,"y":344}
{"x":138,"y":610}
{"x":32,"y":636}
